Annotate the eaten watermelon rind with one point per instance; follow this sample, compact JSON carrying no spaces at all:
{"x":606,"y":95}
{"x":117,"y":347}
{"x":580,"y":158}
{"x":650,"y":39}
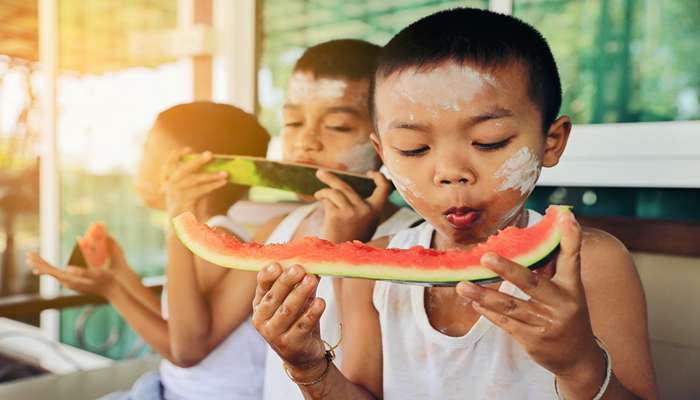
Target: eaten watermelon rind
{"x":321,"y":257}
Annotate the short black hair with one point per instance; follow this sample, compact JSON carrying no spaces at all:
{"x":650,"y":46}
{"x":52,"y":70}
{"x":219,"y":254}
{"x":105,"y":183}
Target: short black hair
{"x":349,"y":59}
{"x":207,"y":126}
{"x":481,"y":38}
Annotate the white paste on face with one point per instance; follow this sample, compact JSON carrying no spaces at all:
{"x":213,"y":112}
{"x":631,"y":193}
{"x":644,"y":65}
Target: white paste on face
{"x":509,"y":216}
{"x":519,"y":172}
{"x":445,"y":88}
{"x":360,"y":158}
{"x":404,"y":185}
{"x":303,"y":87}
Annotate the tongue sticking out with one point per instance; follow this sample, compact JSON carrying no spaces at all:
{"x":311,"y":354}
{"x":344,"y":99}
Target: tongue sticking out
{"x":462,"y":219}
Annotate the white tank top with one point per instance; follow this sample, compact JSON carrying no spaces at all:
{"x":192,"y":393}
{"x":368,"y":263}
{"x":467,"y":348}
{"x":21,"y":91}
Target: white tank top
{"x":420,"y":362}
{"x":232,"y":370}
{"x":278,"y":386}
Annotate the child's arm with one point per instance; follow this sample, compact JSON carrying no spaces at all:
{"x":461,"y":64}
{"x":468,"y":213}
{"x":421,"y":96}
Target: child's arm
{"x":130,"y":280}
{"x":199,"y":320}
{"x":348,"y":216}
{"x":287,"y":313}
{"x":148,"y":324}
{"x":556,"y":326}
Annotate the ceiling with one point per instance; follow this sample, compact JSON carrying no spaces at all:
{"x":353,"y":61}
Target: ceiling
{"x":94,"y":35}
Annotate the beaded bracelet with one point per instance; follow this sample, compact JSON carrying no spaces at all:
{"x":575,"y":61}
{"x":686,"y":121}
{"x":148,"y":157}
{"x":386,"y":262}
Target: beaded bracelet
{"x":608,"y":373}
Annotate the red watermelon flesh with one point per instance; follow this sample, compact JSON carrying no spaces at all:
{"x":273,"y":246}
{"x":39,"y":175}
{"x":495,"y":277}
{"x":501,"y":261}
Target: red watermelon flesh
{"x":526,"y":246}
{"x":95,"y":246}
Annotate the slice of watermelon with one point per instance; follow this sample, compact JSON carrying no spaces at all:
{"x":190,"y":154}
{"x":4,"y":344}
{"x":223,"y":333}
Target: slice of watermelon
{"x":95,"y":247}
{"x":526,"y":246}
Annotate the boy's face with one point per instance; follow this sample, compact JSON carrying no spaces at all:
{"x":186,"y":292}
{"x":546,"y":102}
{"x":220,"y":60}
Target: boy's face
{"x":464,"y":146}
{"x":327,"y":123}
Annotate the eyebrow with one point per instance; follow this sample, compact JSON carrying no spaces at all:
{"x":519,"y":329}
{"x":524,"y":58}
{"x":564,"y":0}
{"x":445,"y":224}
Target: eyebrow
{"x":344,"y":109}
{"x":398,"y":124}
{"x":330,"y":110}
{"x":494,"y":113}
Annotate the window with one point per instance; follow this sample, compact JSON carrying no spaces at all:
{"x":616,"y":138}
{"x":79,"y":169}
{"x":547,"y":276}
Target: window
{"x":623,"y":61}
{"x":290,"y":26}
{"x":108,"y":97}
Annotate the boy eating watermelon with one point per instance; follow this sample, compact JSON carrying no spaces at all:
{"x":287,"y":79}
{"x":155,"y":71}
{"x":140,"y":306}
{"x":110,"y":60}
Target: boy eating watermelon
{"x":465,"y":110}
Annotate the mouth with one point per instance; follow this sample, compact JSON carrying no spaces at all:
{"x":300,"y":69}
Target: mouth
{"x":461,"y":217}
{"x":306,"y":161}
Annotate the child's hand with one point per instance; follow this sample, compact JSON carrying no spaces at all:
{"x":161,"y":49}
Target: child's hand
{"x":98,"y":281}
{"x":347,"y":216}
{"x":184,"y":185}
{"x":553,"y":325}
{"x":119,"y":265}
{"x":287,"y":314}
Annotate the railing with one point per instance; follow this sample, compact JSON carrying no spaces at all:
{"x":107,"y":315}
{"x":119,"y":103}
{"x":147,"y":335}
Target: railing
{"x":27,"y":304}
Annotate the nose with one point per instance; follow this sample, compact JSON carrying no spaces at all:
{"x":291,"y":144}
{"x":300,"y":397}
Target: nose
{"x":453,"y":169}
{"x":308,"y":140}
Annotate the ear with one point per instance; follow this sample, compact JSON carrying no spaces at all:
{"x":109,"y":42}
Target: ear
{"x":555,"y":142}
{"x":377,"y":144}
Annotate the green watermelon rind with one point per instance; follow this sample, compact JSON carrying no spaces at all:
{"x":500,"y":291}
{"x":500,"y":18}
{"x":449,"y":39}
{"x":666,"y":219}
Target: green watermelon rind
{"x":373,"y":271}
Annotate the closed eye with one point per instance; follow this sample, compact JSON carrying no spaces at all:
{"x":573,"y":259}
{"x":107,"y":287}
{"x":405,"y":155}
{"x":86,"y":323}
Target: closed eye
{"x":292,"y":124}
{"x":492,"y":146}
{"x":414,"y":152}
{"x":339,"y":128}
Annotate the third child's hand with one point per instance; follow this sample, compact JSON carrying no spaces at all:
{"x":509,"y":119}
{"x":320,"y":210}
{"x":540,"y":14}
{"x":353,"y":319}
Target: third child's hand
{"x":553,"y":326}
{"x":185,"y":185}
{"x":98,"y":281}
{"x":347,"y":216}
{"x":287,"y":313}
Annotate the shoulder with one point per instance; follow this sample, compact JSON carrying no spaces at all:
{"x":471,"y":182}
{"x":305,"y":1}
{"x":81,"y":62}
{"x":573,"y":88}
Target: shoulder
{"x":267,"y":228}
{"x":604,"y":257}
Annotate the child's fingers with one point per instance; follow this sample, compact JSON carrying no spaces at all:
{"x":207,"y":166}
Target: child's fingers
{"x":195,"y":180}
{"x":335,"y":197}
{"x":40,"y":266}
{"x":294,"y":305}
{"x":340,"y":185}
{"x":304,"y":326}
{"x":172,"y":161}
{"x":569,"y":257}
{"x":539,"y":288}
{"x":511,"y":325}
{"x":279,"y":291}
{"x":502,"y":303}
{"x":196,"y":192}
{"x":381,"y":192}
{"x":191,"y":166}
{"x":266,"y":278}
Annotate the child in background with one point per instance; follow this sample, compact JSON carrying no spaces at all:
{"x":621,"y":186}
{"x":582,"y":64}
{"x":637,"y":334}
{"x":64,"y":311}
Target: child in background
{"x":466,"y":107}
{"x":327,"y":123}
{"x":229,"y":364}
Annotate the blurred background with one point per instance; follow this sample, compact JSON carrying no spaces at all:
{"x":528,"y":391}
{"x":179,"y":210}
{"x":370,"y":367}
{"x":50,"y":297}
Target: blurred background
{"x":81,"y":81}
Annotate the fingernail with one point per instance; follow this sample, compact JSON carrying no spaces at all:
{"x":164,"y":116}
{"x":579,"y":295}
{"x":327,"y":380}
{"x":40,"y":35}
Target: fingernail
{"x":223,"y":174}
{"x":468,"y":289}
{"x":308,"y":280}
{"x":489,"y":258}
{"x":271,"y":268}
{"x":292,"y":272}
{"x":207,"y":153}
